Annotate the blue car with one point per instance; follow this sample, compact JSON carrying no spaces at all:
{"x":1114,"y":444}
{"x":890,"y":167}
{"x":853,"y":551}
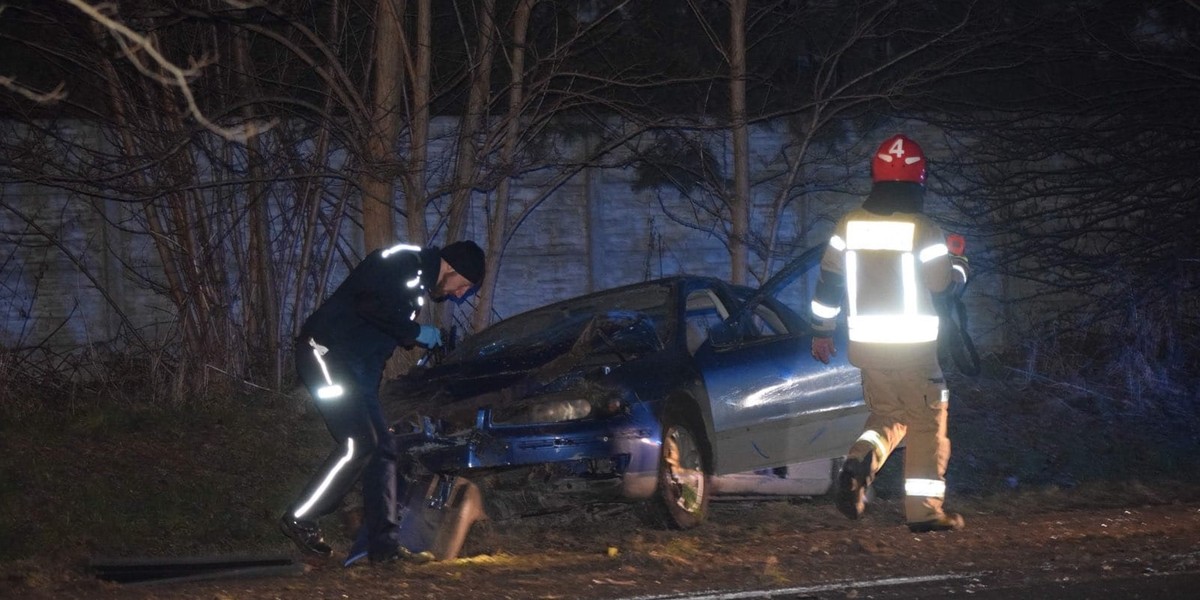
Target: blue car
{"x":665,"y":392}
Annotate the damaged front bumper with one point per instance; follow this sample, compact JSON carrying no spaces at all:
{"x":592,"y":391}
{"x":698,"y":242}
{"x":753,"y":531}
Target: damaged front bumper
{"x":622,"y":449}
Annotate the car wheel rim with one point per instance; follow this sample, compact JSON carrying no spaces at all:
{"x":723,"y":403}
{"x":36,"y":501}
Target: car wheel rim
{"x":685,"y":470}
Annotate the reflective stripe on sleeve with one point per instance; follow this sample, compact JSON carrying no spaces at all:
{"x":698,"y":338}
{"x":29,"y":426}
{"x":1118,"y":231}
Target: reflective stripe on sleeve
{"x":824,"y":311}
{"x":931,"y":252}
{"x":400,"y":248}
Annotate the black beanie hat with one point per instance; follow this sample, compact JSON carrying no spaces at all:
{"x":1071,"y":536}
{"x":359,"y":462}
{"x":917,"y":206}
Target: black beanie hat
{"x":465,"y":257}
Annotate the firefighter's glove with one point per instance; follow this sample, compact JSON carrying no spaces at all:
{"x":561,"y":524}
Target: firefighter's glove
{"x":430,"y":336}
{"x":823,"y":348}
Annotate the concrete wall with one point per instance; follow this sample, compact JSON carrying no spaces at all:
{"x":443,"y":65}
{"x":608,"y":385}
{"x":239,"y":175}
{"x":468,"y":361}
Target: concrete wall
{"x":592,"y":232}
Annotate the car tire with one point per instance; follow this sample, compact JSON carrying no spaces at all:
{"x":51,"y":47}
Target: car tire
{"x":464,"y":510}
{"x":684,"y":473}
{"x":441,"y":530}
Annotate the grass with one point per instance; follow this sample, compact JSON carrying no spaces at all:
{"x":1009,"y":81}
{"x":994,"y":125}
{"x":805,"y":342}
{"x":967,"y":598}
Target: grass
{"x":142,"y":481}
{"x":123,"y":480}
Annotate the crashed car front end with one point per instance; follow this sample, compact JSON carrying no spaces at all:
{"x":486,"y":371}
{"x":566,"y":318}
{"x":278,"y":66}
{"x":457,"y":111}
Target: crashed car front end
{"x":575,"y":411}
{"x":617,"y":453}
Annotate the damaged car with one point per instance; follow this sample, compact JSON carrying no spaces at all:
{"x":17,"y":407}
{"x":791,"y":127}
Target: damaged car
{"x":666,"y":392}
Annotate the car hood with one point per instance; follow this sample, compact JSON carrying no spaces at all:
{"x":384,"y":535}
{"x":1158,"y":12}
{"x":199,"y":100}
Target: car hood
{"x":461,"y":388}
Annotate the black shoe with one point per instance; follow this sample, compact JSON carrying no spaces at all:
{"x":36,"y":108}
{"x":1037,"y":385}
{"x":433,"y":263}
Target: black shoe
{"x":946,"y":522}
{"x":851,"y":497}
{"x":306,"y":535}
{"x":401,"y":554}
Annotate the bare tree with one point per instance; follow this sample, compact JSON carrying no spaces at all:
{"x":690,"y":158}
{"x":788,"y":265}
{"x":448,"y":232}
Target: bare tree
{"x":828,"y":74}
{"x":249,"y":231}
{"x":420,"y":85}
{"x":1076,"y":181}
{"x":380,"y":174}
{"x":214,"y":206}
{"x":479,"y":95}
{"x":739,"y":205}
{"x":498,"y":210}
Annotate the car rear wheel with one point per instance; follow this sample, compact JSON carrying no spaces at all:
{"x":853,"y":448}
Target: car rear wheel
{"x":684,"y":475}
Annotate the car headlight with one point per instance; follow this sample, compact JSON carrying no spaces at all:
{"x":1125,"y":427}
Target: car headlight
{"x":556,"y":409}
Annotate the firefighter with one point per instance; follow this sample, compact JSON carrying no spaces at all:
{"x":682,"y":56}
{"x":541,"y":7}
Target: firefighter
{"x":340,"y":357}
{"x":886,"y":261}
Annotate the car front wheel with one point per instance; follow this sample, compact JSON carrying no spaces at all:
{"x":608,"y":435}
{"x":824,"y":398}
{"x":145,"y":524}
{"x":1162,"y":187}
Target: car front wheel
{"x":684,"y":476}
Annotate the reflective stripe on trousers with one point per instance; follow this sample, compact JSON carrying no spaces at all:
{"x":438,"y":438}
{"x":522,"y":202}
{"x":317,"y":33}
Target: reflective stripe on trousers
{"x":911,"y":405}
{"x":925,"y":488}
{"x":879,"y":445}
{"x":330,"y":390}
{"x":318,"y":493}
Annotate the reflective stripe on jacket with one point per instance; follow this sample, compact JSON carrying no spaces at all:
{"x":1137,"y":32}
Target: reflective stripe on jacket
{"x":885,"y":269}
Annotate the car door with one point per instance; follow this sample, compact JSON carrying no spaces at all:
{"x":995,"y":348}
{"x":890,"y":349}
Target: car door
{"x":771,"y":403}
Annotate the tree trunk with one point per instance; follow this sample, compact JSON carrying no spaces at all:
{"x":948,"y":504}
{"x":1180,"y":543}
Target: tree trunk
{"x":171,"y":237}
{"x":262,"y":310}
{"x":739,"y":201}
{"x":380,"y":174}
{"x":310,"y":196}
{"x":498,"y":213}
{"x":477,"y":101}
{"x":419,"y":151}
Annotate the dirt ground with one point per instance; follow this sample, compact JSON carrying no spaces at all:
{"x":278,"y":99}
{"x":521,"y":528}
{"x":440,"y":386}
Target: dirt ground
{"x":606,"y":552}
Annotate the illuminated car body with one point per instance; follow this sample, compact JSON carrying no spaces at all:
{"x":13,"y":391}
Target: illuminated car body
{"x":572,"y":402}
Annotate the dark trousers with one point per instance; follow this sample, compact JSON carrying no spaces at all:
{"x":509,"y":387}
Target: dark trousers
{"x":365,"y":447}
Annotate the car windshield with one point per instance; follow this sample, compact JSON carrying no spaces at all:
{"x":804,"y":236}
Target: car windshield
{"x":626,"y":319}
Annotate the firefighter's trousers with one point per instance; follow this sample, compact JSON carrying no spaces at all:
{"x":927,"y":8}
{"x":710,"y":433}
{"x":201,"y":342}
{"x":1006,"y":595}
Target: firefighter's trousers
{"x":347,"y":395}
{"x":909,"y":406}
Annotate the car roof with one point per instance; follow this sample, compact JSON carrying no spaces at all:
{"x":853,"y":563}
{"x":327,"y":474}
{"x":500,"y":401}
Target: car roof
{"x":802,"y":261}
{"x":672,"y":281}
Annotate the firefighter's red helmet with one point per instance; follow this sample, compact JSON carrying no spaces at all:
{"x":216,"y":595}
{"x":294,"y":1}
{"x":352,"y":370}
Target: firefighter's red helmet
{"x":898,"y":159}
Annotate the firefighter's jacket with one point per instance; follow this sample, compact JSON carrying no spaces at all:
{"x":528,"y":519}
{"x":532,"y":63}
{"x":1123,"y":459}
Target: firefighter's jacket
{"x":376,"y":307}
{"x":885,"y":269}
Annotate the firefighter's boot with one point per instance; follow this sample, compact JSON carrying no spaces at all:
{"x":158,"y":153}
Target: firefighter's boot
{"x":852,"y":487}
{"x":306,"y":535}
{"x":946,"y":522}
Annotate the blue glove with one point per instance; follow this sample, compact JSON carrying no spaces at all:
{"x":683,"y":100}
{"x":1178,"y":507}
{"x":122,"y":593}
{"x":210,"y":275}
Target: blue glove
{"x":430,"y":336}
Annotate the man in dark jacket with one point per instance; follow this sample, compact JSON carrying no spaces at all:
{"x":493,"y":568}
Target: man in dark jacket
{"x":340,"y":357}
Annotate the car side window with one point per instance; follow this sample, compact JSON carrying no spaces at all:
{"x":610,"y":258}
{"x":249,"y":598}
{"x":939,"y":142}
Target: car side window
{"x":702,"y":313}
